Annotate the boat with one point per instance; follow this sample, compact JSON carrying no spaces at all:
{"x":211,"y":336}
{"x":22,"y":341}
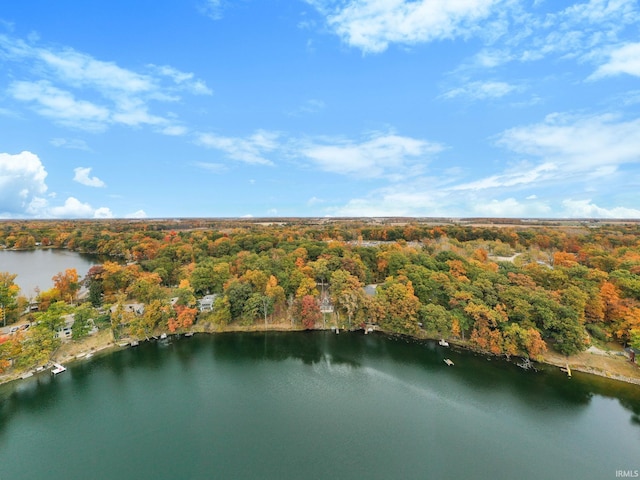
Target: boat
{"x":163,"y":336}
{"x":57,"y":368}
{"x":135,"y":343}
{"x":566,"y":370}
{"x":449,"y":362}
{"x":188,"y":334}
{"x":443,"y":343}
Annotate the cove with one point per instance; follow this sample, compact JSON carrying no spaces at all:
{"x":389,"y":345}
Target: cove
{"x":35,"y":268}
{"x":313,"y":405}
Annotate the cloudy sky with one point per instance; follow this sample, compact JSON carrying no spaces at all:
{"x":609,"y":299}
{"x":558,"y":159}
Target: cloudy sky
{"x":209,"y":108}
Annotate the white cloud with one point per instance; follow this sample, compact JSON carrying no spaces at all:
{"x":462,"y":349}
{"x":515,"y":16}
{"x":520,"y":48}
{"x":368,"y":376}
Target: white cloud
{"x":72,"y":208}
{"x":482,"y":90}
{"x":586,"y":209}
{"x":379,"y":155}
{"x":22,"y":183}
{"x":625,"y":59}
{"x":251,"y":149}
{"x":24,"y":192}
{"x":510,"y":207}
{"x":523,"y":175}
{"x":578,"y":143}
{"x":123,"y":96}
{"x":372,"y":25}
{"x":75,"y":144}
{"x":184,"y":79}
{"x":103,"y":212}
{"x":60,"y":105}
{"x":136,"y":214}
{"x":82,"y":176}
{"x":584,"y":32}
{"x":431,"y":197}
{"x":175,"y":130}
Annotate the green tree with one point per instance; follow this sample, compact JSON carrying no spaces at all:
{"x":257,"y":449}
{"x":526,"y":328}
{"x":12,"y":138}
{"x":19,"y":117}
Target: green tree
{"x":83,"y":317}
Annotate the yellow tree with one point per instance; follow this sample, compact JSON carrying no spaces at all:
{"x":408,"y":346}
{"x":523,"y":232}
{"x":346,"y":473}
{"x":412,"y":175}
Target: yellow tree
{"x":67,"y":284}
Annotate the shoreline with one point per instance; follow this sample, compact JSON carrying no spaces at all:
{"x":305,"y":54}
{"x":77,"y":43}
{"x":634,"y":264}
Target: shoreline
{"x":104,"y":343}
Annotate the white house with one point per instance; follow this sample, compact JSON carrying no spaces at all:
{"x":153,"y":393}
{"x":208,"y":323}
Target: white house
{"x":206,"y":303}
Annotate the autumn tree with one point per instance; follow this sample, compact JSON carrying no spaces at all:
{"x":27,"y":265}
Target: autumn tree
{"x":307,"y":311}
{"x":66,"y":283}
{"x":8,"y":297}
{"x":183,"y":318}
{"x":400,"y":305}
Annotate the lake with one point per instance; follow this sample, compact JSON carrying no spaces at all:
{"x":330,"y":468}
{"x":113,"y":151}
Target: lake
{"x":35,"y":268}
{"x":314,"y":405}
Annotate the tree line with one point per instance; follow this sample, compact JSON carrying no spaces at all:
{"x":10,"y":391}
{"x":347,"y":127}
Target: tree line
{"x":515,"y":290}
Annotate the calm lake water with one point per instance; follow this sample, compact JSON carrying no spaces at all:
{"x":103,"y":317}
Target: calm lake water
{"x":314,"y":405}
{"x":35,"y":268}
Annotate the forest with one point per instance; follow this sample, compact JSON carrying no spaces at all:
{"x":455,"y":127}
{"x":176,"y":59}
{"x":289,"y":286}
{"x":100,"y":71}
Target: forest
{"x":510,"y":288}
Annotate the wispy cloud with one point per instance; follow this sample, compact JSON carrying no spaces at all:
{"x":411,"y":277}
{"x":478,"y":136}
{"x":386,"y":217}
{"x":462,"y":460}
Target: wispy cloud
{"x":60,"y":105}
{"x":372,"y":25}
{"x":82,"y":176}
{"x":576,"y":152}
{"x":625,"y":59}
{"x":73,"y":143}
{"x":379,"y":154}
{"x":212,"y":8}
{"x":578,"y":142}
{"x":74,"y":89}
{"x":523,"y":175}
{"x":252,"y":149}
{"x":481,"y":90}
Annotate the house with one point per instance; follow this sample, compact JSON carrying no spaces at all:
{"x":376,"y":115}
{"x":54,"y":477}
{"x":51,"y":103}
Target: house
{"x":137,"y":308}
{"x":205,"y":304}
{"x":65,"y":331}
{"x":325,"y":305}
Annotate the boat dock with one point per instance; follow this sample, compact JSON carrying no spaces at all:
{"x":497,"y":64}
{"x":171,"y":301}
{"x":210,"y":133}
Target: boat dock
{"x":57,"y":368}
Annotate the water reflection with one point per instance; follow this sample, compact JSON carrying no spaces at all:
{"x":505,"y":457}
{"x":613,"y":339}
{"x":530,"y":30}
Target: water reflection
{"x":482,"y":380}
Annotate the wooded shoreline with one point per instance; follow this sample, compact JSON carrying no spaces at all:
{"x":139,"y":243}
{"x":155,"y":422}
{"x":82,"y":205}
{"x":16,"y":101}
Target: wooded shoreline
{"x":77,"y":351}
{"x":539,"y":291}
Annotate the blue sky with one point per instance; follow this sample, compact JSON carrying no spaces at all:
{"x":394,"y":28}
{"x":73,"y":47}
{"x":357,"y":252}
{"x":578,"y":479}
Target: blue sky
{"x":267,"y":108}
